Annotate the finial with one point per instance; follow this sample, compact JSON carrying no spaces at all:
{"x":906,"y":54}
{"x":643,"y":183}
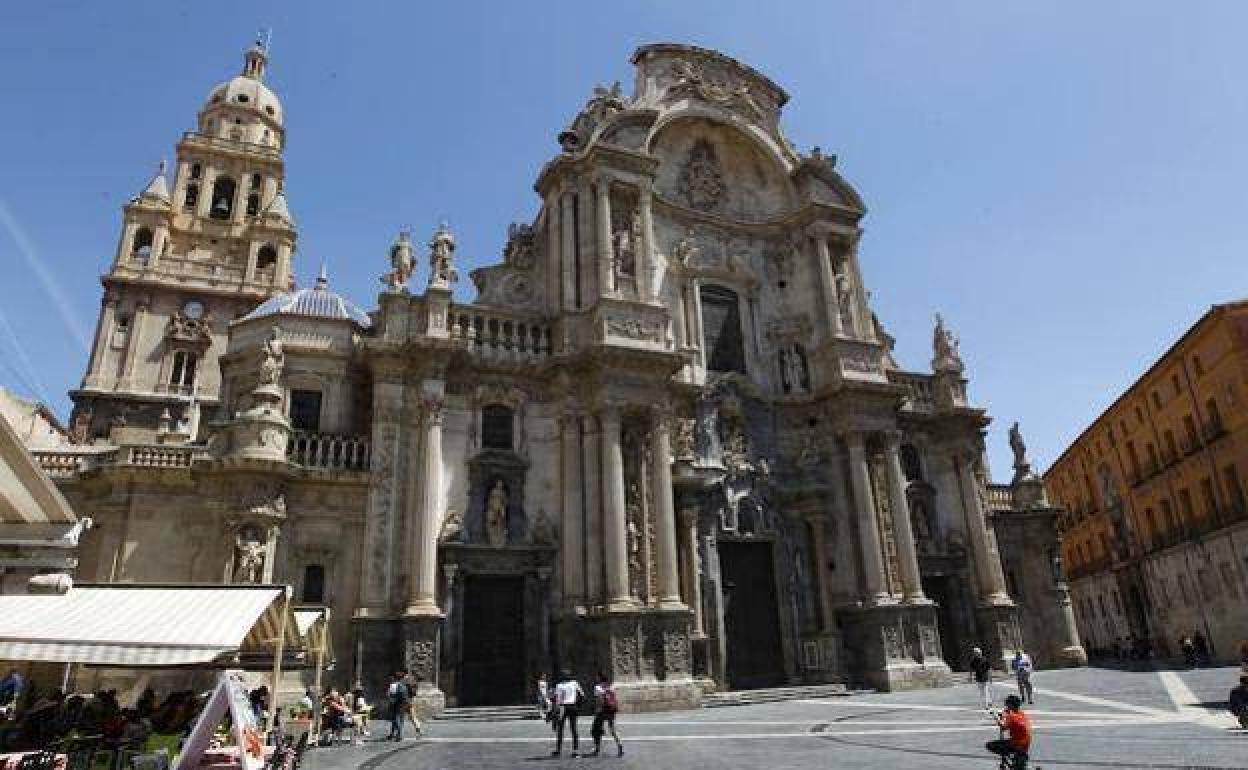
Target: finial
{"x":322,"y":280}
{"x":161,"y":168}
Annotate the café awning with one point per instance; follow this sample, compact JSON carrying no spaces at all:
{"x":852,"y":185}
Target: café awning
{"x":131,"y":625}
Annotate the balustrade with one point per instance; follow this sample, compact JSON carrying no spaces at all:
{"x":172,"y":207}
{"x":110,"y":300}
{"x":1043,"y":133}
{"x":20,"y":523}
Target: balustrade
{"x":148,"y":456}
{"x":329,"y":451}
{"x":1000,"y":498}
{"x":918,"y":388}
{"x":496,"y":336}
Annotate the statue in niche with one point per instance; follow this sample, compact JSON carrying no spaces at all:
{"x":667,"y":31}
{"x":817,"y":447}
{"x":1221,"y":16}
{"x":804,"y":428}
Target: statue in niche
{"x":686,"y":249}
{"x":273,"y":358}
{"x":844,"y":291}
{"x":625,"y":239}
{"x":249,"y":548}
{"x":793,"y":369}
{"x":452,"y":527}
{"x":920,"y":523}
{"x":684,"y":443}
{"x":496,"y":515}
{"x":701,"y":182}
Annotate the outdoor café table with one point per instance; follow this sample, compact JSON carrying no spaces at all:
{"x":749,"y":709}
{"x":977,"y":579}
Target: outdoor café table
{"x":11,"y":761}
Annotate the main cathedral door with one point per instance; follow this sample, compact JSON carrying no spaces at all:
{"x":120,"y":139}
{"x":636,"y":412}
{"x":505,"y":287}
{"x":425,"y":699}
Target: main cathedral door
{"x":751,"y":615}
{"x":493,"y":641}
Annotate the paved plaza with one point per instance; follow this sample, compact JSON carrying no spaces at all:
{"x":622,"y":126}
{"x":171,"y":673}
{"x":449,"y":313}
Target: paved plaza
{"x":1083,"y":718}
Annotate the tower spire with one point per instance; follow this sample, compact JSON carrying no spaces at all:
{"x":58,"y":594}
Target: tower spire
{"x":256,"y":58}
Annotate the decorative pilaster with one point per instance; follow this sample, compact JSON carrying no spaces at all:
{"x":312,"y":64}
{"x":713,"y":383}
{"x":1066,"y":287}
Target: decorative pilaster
{"x":615,"y":525}
{"x":554,"y":264}
{"x":567,"y":249}
{"x":903,"y":531}
{"x":647,"y":279}
{"x":665,"y":514}
{"x":689,"y":564}
{"x":991,"y":579}
{"x":103,"y":340}
{"x":819,"y":546}
{"x":134,"y":344}
{"x":866,"y":329}
{"x":827,"y":283}
{"x":868,"y":527}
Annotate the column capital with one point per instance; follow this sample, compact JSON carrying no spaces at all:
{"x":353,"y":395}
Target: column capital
{"x":855,"y":440}
{"x":431,"y":408}
{"x":688,"y":516}
{"x":892,"y":439}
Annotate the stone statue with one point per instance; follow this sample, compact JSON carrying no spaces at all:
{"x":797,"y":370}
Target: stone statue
{"x":274,"y":358}
{"x":496,"y":515}
{"x":625,"y":240}
{"x":248,"y":556}
{"x":684,"y":443}
{"x":794,"y":372}
{"x":541,"y":532}
{"x":945,"y":355}
{"x":1019,"y":449}
{"x":402,"y":263}
{"x":442,"y":271}
{"x":452,"y":527}
{"x":686,"y":249}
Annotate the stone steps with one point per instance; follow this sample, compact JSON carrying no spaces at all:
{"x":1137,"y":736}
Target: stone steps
{"x":773,"y":695}
{"x":488,"y":713}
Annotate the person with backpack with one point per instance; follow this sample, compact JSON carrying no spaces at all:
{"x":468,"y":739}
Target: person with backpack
{"x":981,"y":674}
{"x":1023,"y":667}
{"x":568,"y":695}
{"x":606,"y":706}
{"x":1015,"y":743}
{"x":400,"y":701}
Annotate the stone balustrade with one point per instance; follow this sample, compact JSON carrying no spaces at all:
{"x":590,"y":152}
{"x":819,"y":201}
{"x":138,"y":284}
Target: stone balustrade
{"x":499,"y":336}
{"x":158,"y":456}
{"x":1000,"y":497}
{"x":63,"y":464}
{"x":328,"y":451}
{"x":918,"y":387}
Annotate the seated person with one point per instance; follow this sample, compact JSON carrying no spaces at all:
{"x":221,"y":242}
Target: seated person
{"x":1016,"y":723}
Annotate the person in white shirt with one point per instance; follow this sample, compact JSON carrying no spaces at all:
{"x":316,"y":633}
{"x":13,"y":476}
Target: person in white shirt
{"x":567,"y":693}
{"x":1023,"y":667}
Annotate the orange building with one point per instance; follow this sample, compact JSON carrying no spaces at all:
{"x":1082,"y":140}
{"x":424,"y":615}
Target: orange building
{"x":1155,"y":532}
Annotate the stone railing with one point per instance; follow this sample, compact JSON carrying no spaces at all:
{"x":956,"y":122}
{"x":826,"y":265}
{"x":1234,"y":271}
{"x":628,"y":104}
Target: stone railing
{"x":159,"y":456}
{"x":918,"y":387}
{"x":500,"y":336}
{"x":1000,"y":498}
{"x":67,"y":463}
{"x":328,"y":451}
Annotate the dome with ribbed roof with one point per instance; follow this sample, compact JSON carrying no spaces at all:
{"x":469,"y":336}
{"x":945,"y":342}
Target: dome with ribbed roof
{"x":315,"y":302}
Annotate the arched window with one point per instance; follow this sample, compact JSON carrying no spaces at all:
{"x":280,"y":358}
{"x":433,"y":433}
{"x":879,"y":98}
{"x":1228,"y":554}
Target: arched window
{"x":253,"y":204}
{"x":721,"y":330}
{"x":196,"y":171}
{"x":222,"y":198}
{"x":141,"y":248}
{"x":256,"y":180}
{"x":910,"y":463}
{"x":496,"y":427}
{"x":314,"y":584}
{"x":266,"y":257}
{"x":192,"y":196}
{"x":182,"y":373}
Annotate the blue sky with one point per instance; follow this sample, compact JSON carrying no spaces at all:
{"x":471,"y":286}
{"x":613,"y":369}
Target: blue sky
{"x":1067,"y":182}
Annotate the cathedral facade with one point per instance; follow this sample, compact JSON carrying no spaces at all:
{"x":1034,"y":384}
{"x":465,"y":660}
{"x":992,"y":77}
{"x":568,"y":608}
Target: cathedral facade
{"x":668,"y":440}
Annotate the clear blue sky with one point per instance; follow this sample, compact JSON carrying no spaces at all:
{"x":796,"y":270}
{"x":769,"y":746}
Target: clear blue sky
{"x":1066,"y":181}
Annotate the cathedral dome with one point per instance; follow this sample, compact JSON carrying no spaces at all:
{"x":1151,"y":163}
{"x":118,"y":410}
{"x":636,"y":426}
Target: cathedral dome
{"x":246,"y":92}
{"x":315,"y":302}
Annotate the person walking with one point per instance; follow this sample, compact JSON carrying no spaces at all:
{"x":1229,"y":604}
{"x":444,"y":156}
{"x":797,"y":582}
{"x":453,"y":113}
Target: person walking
{"x":410,"y":712}
{"x":400,"y":700}
{"x":981,"y":675}
{"x":545,"y":706}
{"x":1023,"y":667}
{"x":606,"y":706}
{"x":1189,"y":651}
{"x":567,"y":695}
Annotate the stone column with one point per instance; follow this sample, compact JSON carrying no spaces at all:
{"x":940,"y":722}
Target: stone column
{"x":820,"y":563}
{"x":133,"y":344}
{"x":827,"y":283}
{"x":868,"y":527}
{"x":695,"y":301}
{"x":572,"y":536}
{"x":903,"y":531}
{"x":693,"y":581}
{"x":567,"y":250}
{"x":606,"y":268}
{"x":386,"y":495}
{"x":159,"y":237}
{"x":866,"y":329}
{"x":423,"y":548}
{"x":664,"y":513}
{"x":554,"y":237}
{"x":591,"y":486}
{"x":615,"y":525}
{"x":991,"y":579}
{"x":647,"y":280}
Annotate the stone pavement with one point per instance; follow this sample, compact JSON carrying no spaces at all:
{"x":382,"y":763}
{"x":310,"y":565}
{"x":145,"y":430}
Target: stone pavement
{"x":1083,"y":718}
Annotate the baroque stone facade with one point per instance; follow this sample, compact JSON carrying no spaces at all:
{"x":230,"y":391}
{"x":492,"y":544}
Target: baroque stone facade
{"x":668,"y":440}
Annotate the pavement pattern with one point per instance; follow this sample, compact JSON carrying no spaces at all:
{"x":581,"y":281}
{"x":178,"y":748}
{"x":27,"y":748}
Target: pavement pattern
{"x":1082,"y":718}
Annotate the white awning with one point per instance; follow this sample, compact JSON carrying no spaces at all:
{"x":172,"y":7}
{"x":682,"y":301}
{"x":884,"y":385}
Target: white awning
{"x":142,"y":625}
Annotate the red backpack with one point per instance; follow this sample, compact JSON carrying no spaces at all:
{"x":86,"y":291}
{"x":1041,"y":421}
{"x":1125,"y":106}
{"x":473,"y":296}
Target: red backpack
{"x":610,"y":703}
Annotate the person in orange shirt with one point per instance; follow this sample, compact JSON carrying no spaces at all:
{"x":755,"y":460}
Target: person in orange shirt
{"x":1015,"y":748}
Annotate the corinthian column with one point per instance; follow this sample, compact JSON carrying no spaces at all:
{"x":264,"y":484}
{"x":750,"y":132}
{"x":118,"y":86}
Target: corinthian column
{"x":693,"y":581}
{"x":647,"y":281}
{"x":571,"y":535}
{"x":606,"y":271}
{"x":567,"y":249}
{"x":423,"y":547}
{"x":827,"y":283}
{"x":615,"y":525}
{"x":987,"y":561}
{"x":868,"y":527}
{"x":903,"y":531}
{"x":664,"y":513}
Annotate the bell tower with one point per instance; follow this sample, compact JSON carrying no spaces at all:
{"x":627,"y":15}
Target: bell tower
{"x":187,"y":263}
